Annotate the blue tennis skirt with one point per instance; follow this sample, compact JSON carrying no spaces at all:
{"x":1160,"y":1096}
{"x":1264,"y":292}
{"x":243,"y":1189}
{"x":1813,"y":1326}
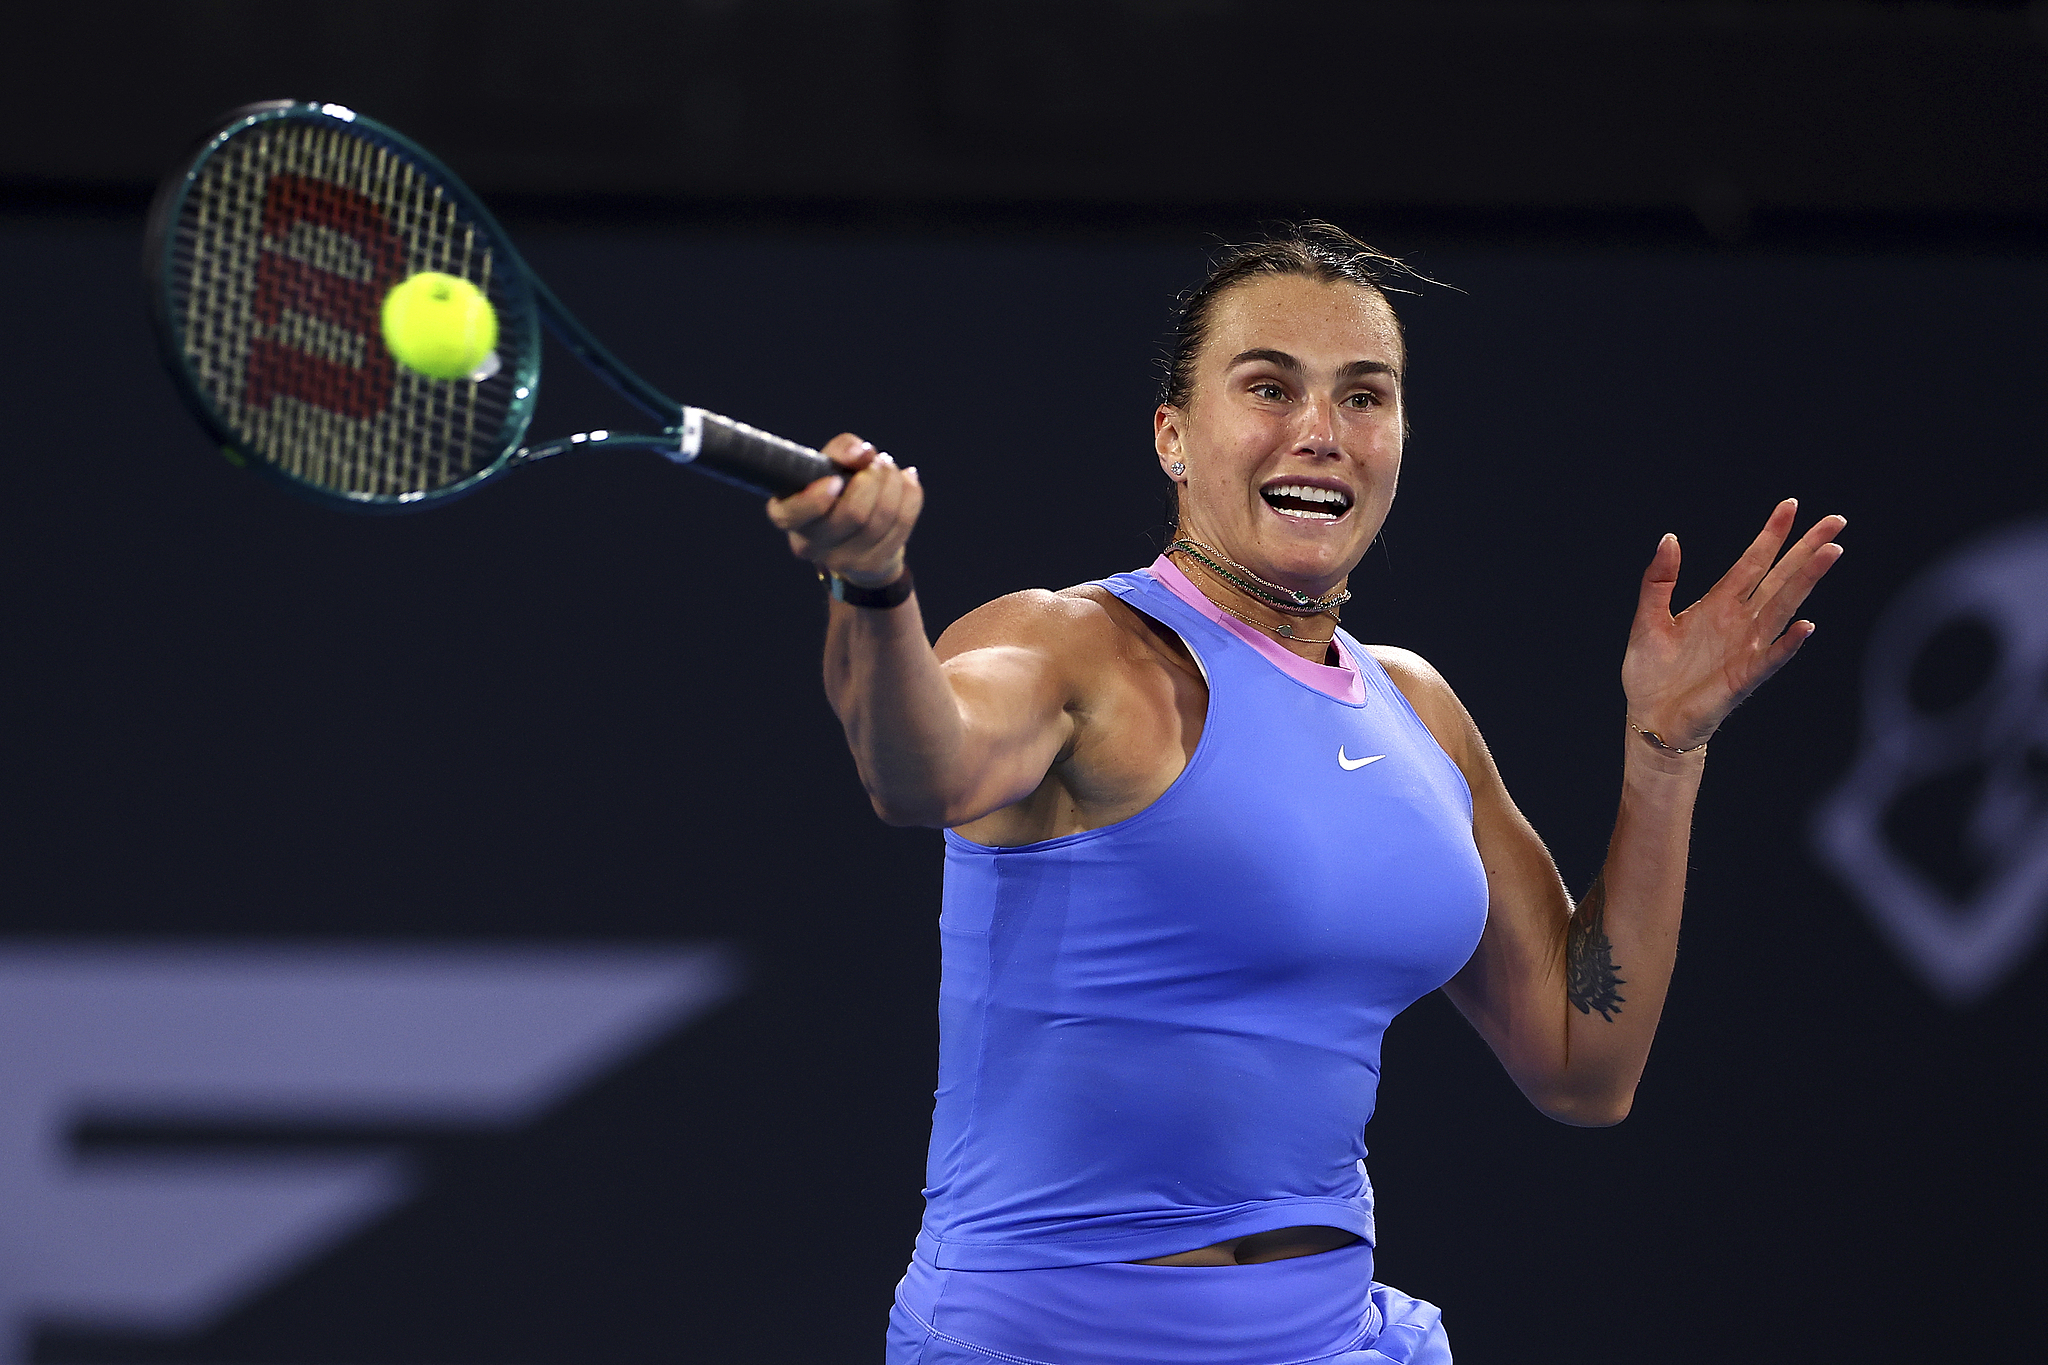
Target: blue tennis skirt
{"x":1324,"y":1309}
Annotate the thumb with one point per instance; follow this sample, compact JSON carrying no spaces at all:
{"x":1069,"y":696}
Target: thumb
{"x":850,"y":452}
{"x":1659,"y":581}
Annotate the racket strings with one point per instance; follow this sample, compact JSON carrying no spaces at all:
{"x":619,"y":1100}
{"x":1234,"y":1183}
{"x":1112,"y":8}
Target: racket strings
{"x":288,"y":240}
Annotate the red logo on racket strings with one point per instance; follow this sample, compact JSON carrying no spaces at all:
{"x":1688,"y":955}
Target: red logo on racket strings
{"x":287,"y":284}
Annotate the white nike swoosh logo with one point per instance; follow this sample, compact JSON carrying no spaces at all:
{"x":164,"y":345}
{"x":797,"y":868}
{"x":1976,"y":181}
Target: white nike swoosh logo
{"x":1352,"y":765}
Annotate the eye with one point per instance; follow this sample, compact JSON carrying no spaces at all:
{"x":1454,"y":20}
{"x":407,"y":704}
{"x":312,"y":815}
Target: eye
{"x":1269,"y":391}
{"x":1364,"y":398}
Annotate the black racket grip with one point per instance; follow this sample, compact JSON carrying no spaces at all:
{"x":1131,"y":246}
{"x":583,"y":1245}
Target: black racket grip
{"x":748,"y":457}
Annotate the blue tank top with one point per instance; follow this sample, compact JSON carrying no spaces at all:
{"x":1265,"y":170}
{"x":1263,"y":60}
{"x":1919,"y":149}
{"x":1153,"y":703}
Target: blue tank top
{"x":1166,"y":1032}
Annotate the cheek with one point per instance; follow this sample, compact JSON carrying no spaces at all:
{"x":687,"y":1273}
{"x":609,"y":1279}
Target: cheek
{"x":1235,"y":441}
{"x":1384,"y":471}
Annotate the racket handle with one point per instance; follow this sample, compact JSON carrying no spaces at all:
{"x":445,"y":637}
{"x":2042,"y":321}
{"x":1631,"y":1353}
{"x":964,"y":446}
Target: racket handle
{"x":747,"y":456}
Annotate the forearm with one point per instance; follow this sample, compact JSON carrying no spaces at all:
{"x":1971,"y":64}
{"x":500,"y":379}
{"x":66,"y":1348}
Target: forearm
{"x":902,"y":720}
{"x":902,"y":717}
{"x":1621,"y":942}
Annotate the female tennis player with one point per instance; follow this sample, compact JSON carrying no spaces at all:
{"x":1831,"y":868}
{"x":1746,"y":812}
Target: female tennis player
{"x":1202,"y":845}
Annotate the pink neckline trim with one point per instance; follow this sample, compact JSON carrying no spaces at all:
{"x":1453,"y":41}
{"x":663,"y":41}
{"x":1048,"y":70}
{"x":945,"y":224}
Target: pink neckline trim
{"x":1344,"y":683}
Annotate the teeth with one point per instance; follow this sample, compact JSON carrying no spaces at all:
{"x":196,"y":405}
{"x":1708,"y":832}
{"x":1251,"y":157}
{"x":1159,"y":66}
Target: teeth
{"x":1307,"y":493}
{"x":1301,"y":492}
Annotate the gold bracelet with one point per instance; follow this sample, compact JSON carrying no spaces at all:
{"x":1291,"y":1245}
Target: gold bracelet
{"x":1657,"y":741}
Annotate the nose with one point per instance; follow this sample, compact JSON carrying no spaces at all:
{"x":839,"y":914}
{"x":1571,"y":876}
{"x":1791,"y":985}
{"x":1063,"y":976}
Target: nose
{"x":1316,"y":430}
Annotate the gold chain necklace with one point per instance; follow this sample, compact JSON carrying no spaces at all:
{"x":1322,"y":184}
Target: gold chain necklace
{"x":1285,"y":632}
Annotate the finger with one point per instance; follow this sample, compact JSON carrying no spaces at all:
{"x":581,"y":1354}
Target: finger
{"x":915,"y":481}
{"x":1659,"y":580}
{"x":888,"y":529}
{"x":904,"y":522}
{"x":881,"y":514}
{"x":807,"y":504}
{"x":849,"y":451}
{"x":850,"y":514}
{"x":1804,"y":564}
{"x":1749,"y":570}
{"x":1782,"y":649}
{"x":906,"y":516}
{"x":1792,"y":592}
{"x":1821,"y":533}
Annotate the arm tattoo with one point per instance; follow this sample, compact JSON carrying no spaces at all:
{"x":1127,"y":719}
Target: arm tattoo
{"x":1589,"y":979}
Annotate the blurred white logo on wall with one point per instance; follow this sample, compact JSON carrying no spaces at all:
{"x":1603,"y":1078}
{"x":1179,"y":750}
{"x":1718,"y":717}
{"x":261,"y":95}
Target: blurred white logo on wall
{"x":1940,"y":829}
{"x":203,"y":1033}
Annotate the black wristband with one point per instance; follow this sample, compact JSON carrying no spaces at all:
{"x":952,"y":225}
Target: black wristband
{"x":875,"y":599}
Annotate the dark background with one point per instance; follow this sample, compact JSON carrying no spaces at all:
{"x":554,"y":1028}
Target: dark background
{"x":1705,"y":256}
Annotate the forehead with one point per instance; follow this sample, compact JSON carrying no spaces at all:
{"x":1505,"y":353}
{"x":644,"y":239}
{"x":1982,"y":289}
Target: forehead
{"x":1325,"y":324}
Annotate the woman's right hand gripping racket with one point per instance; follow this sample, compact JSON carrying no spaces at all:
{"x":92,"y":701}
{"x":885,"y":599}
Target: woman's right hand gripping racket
{"x":271,"y":259}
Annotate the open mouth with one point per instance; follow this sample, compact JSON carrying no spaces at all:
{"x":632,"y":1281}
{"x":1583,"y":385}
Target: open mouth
{"x":1306,"y":502}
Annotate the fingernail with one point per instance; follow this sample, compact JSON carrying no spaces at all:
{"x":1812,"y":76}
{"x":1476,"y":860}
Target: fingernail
{"x":885,"y":458}
{"x":860,"y":446}
{"x":911,"y":474}
{"x":837,"y":486}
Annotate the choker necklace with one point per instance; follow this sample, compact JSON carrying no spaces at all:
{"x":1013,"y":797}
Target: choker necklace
{"x":1272,"y":594}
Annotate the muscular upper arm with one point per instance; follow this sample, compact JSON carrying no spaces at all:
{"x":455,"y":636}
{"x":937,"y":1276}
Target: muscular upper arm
{"x":1527,"y":904}
{"x":1020,"y":669}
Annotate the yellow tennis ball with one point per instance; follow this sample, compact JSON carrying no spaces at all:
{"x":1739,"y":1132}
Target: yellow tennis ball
{"x":440,"y":325}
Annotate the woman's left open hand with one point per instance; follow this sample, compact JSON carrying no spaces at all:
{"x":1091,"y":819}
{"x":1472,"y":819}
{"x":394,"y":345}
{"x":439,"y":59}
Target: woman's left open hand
{"x":1683,"y":674}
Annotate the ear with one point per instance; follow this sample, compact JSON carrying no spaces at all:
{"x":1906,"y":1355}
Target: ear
{"x":1166,"y":438}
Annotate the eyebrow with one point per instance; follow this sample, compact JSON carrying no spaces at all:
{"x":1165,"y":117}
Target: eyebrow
{"x":1291,"y":365}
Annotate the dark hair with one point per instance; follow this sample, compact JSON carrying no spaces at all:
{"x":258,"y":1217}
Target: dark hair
{"x":1321,"y":251}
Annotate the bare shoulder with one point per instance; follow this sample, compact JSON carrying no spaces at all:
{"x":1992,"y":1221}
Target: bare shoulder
{"x":1433,"y":699}
{"x":1415,"y":676}
{"x":1074,"y":621}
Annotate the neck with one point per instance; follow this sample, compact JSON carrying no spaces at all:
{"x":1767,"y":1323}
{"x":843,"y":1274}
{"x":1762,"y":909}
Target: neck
{"x":1243,"y":594}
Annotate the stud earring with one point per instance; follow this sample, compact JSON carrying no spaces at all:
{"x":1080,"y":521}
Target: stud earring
{"x":1179,"y":468}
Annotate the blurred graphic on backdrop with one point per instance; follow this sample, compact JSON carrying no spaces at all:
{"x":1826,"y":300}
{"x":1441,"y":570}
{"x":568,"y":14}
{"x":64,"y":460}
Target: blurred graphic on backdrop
{"x":230,"y":1041}
{"x":1941,"y":828}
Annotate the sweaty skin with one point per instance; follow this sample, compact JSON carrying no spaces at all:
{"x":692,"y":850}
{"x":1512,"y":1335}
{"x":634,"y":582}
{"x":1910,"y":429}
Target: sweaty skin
{"x":1043,"y":714}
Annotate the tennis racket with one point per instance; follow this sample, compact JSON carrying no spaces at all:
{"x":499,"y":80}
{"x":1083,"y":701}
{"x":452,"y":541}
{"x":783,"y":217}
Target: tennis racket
{"x":269,"y":257}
